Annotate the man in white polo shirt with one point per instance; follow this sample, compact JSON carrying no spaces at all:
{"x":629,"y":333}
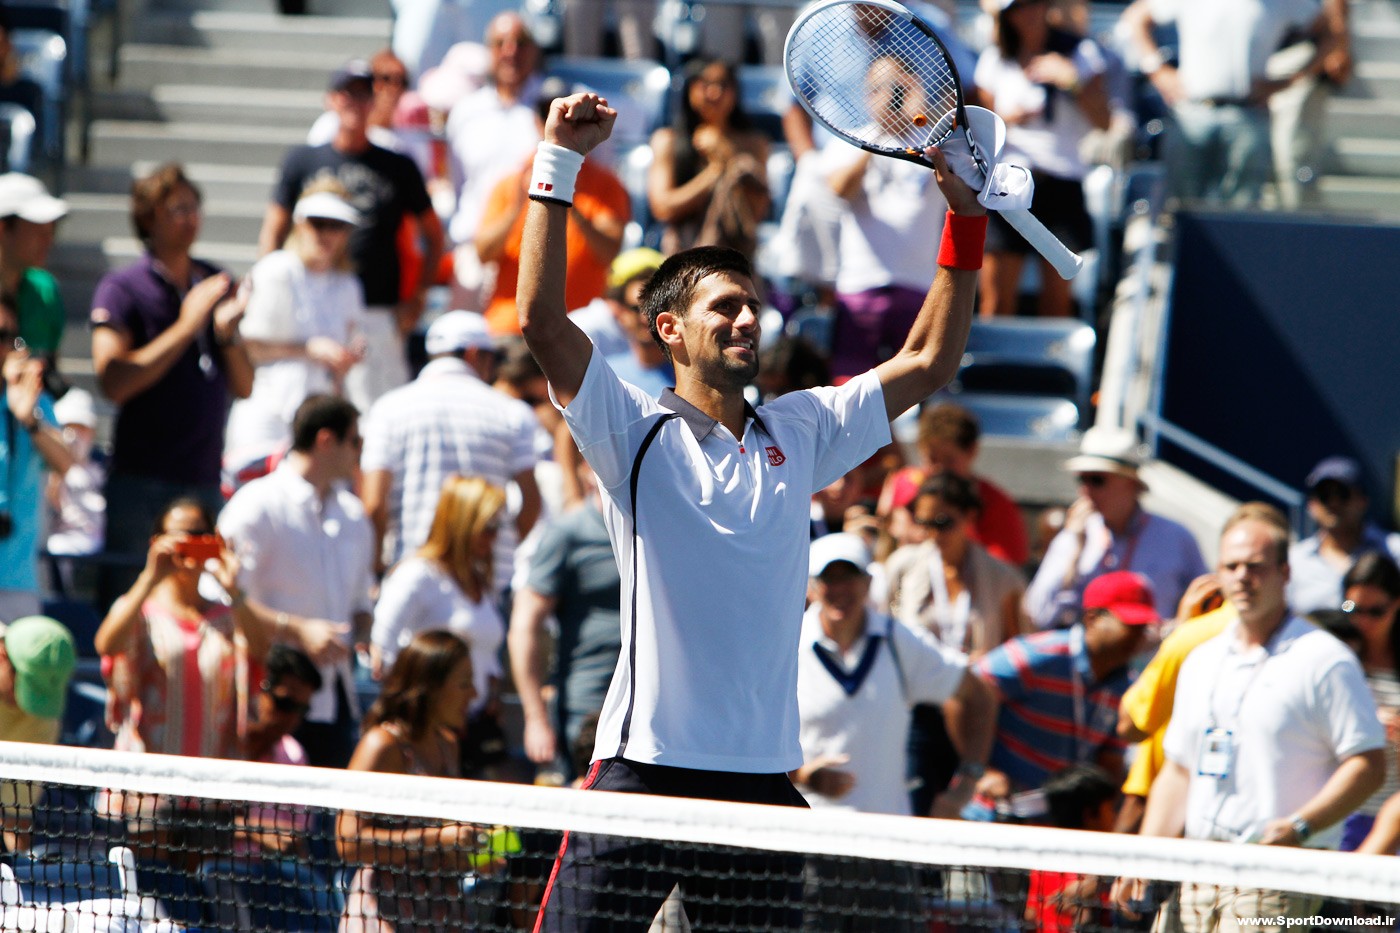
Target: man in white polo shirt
{"x":707,"y":503}
{"x":1274,"y":737}
{"x":859,"y":675}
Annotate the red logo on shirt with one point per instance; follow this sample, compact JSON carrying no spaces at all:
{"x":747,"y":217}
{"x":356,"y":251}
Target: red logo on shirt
{"x":775,"y":456}
{"x":544,"y":186}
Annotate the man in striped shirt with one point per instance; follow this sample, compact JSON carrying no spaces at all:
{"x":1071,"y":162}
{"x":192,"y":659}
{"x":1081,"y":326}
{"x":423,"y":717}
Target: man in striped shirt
{"x":1059,"y":690}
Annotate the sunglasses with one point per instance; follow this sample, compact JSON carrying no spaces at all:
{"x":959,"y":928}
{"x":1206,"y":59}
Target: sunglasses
{"x":1092,"y":480}
{"x":285,"y":704}
{"x":1351,"y":608}
{"x":1332,"y":492}
{"x":937,"y":523}
{"x":326,"y":225}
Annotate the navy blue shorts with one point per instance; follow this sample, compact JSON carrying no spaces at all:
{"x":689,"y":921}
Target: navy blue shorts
{"x":618,"y":884}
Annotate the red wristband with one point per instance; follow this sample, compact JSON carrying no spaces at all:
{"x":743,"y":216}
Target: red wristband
{"x":963,"y":238}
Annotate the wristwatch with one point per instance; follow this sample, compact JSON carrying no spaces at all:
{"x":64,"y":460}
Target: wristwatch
{"x":38,"y":422}
{"x":971,"y":770}
{"x":1301,"y":829}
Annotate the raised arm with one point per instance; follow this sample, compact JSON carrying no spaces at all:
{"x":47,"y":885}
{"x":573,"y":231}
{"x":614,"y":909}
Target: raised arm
{"x":576,"y":124}
{"x":934,"y":347}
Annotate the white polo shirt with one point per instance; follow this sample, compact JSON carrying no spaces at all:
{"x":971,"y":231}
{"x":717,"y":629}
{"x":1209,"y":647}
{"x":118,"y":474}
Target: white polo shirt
{"x":303,"y":555}
{"x":707,"y":677}
{"x":857,"y":703}
{"x":1297,"y":708}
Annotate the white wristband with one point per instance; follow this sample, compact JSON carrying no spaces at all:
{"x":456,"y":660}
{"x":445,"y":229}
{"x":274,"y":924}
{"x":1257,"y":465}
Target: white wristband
{"x":556,"y":170}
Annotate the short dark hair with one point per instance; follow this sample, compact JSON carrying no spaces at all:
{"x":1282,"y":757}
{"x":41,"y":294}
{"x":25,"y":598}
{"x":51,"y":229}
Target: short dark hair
{"x":672,"y":287}
{"x":321,"y":412}
{"x":1074,"y":791}
{"x":960,"y":493}
{"x":183,"y":502}
{"x":949,"y":421}
{"x":285,"y":662}
{"x":1374,"y":568}
{"x":150,"y":191}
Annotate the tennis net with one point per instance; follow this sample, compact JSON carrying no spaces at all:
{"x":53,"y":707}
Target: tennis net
{"x":104,"y":841}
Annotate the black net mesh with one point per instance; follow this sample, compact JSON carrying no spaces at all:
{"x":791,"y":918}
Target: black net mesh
{"x":86,"y":857}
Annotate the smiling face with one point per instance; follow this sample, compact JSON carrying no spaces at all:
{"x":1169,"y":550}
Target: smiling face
{"x":718,"y":334}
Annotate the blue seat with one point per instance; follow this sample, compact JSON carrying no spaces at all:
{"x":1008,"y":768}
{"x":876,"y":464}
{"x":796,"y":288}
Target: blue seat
{"x":256,"y":893}
{"x":85,"y":716}
{"x":81,"y":619}
{"x":765,"y":96}
{"x":636,"y":89}
{"x":1030,"y":356}
{"x":1038,"y":418}
{"x":43,"y":55}
{"x":19,"y":128}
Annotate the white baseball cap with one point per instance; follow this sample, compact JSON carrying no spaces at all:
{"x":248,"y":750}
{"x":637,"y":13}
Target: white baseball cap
{"x":840,"y":546}
{"x":75,"y":407}
{"x":456,"y":331}
{"x":25,"y":197}
{"x":323,"y":205}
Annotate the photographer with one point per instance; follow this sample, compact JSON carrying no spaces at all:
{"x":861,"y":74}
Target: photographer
{"x":28,"y":443}
{"x":172,"y":626}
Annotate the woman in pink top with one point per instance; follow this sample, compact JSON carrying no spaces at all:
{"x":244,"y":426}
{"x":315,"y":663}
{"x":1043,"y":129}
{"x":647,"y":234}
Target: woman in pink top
{"x":177,"y":650}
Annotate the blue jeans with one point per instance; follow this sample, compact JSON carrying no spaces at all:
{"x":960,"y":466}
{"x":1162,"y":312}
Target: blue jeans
{"x":1218,"y":153}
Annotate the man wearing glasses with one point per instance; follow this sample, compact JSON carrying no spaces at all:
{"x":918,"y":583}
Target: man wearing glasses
{"x":1107,"y":529}
{"x":1337,"y":502}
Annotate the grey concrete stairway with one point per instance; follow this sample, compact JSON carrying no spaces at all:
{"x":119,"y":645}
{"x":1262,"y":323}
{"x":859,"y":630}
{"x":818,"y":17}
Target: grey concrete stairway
{"x":222,"y":86}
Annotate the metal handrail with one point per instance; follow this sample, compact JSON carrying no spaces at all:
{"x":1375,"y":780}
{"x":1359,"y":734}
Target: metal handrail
{"x":1156,"y":427}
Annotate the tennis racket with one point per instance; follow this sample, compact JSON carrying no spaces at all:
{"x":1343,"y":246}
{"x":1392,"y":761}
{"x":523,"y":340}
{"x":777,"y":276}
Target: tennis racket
{"x":875,"y":75}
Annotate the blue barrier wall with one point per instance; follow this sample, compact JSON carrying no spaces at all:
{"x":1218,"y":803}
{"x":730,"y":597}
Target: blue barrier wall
{"x":1284,"y":345}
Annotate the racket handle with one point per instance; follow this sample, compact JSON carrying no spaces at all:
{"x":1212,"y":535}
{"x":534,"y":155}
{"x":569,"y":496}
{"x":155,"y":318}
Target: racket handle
{"x":1066,"y":263}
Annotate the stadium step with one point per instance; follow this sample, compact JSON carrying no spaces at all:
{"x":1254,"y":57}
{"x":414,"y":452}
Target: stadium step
{"x":118,"y":142}
{"x":199,"y":102}
{"x":1348,"y":116}
{"x":145,"y":66}
{"x":354,"y":8}
{"x":264,"y":32}
{"x":1375,"y":80}
{"x":102,"y":216}
{"x":217,"y":182}
{"x":1369,"y":157}
{"x":1362,"y":194}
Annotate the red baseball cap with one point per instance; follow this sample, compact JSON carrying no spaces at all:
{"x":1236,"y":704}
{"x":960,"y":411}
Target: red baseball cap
{"x":1125,"y":594}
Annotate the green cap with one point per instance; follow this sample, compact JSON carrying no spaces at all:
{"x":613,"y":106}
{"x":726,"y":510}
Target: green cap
{"x":42,"y":653}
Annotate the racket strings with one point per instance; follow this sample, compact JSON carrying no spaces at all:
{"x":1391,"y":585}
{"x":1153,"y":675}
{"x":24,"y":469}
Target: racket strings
{"x":873,"y":76}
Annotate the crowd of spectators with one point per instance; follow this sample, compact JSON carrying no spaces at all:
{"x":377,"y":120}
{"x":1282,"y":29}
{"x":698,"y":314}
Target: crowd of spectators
{"x":290,"y":508}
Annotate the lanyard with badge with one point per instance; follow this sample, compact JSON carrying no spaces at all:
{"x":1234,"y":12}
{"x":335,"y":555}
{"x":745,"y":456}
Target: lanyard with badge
{"x":1217,"y":754}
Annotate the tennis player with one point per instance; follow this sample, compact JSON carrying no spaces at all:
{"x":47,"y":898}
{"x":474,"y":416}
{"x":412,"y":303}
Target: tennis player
{"x":707,"y":504}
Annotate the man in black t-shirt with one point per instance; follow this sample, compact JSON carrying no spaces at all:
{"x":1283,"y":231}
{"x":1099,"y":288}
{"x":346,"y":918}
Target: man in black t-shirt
{"x":386,"y":188}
